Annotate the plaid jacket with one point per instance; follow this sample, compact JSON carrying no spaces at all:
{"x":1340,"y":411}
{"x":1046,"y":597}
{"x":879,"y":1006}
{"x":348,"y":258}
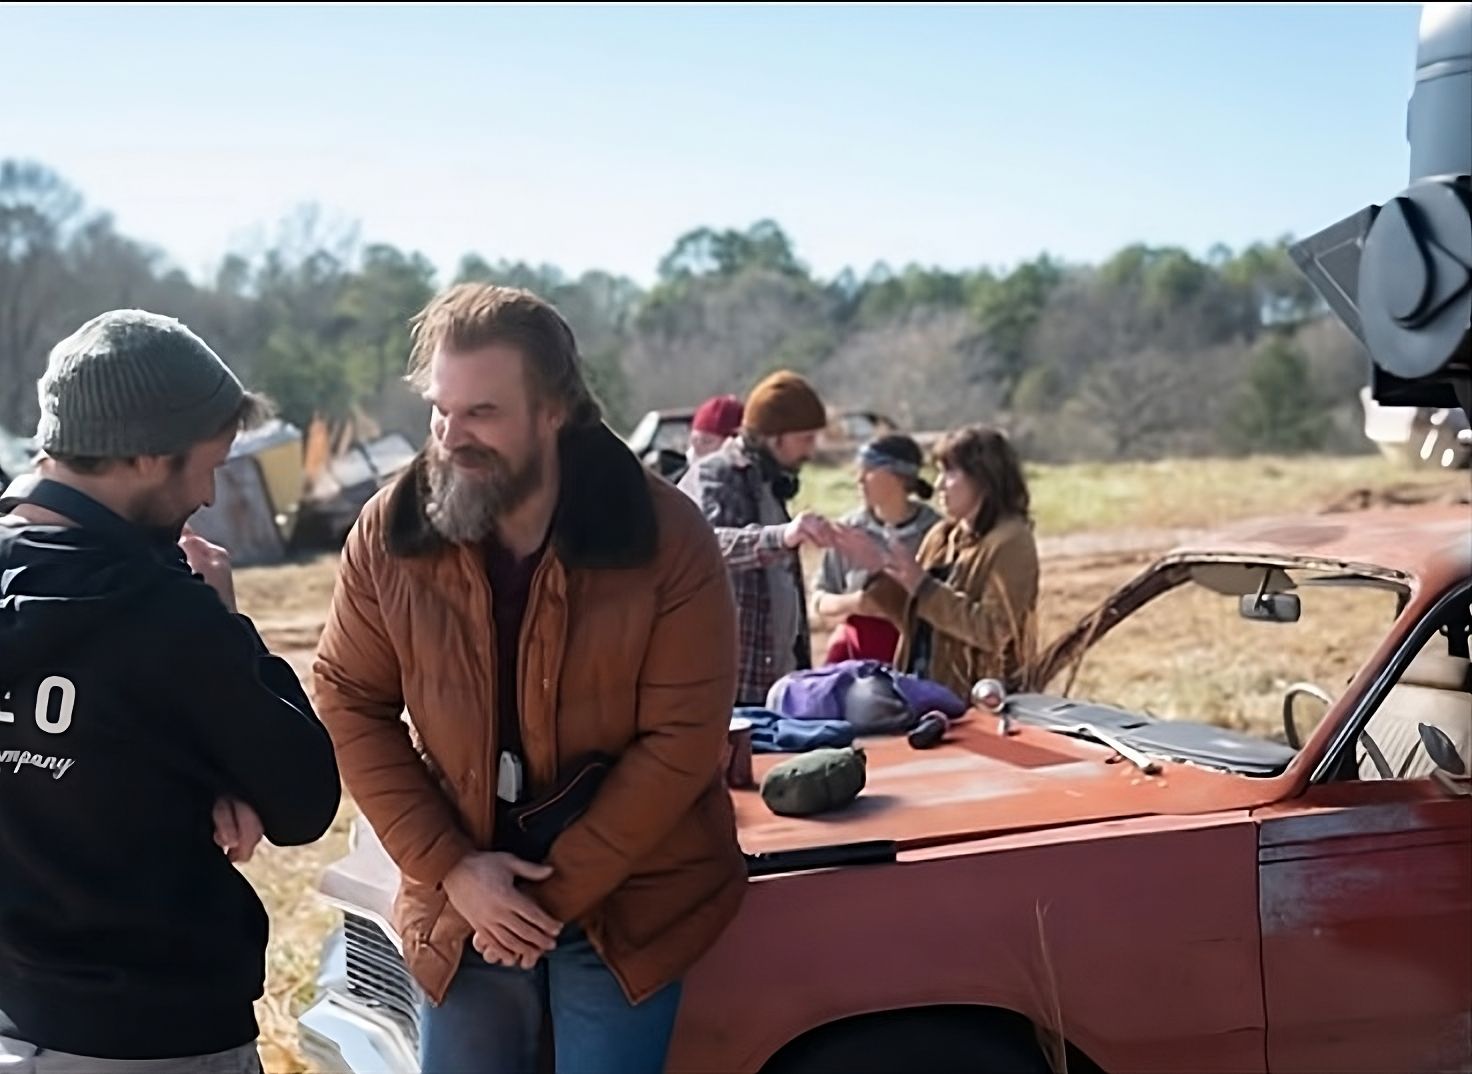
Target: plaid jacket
{"x":727,"y":486}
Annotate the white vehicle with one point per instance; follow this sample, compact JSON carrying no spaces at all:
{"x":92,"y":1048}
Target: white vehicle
{"x":1420,"y":436}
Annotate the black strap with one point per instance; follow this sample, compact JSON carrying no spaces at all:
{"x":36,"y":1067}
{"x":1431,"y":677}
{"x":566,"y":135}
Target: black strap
{"x":93,"y":516}
{"x":73,"y":504}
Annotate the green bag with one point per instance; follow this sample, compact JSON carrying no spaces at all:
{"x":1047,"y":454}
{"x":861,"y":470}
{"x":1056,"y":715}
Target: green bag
{"x":815,"y":782}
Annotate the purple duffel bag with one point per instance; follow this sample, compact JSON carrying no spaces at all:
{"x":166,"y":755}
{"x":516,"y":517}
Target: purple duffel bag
{"x":820,"y":693}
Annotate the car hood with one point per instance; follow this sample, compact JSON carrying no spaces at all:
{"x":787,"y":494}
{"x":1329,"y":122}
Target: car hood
{"x":977,"y":783}
{"x":980,"y":782}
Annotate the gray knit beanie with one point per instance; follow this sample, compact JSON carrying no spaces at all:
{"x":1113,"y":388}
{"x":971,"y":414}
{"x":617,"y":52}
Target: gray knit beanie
{"x":131,"y":383}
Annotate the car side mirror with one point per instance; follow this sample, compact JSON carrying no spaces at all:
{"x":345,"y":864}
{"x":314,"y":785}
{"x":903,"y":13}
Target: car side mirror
{"x":1441,"y":750}
{"x":1272,"y":607}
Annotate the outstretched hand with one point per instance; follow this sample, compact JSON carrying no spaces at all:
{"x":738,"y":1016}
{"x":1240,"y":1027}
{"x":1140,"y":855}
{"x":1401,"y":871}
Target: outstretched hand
{"x":809,"y":528}
{"x":872,"y":553}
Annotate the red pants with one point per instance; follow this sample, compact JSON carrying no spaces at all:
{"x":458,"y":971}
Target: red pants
{"x":863,"y":637}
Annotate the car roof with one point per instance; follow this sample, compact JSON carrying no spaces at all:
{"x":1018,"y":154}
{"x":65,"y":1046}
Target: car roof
{"x":1432,"y":543}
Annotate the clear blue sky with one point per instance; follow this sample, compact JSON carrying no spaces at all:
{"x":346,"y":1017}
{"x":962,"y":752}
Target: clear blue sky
{"x":594,"y":136}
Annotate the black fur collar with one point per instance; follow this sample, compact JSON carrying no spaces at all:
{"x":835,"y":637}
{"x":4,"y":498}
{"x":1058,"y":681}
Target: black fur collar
{"x":605,"y":518}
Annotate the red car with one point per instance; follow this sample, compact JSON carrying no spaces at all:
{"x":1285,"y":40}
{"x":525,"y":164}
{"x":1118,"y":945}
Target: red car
{"x":1178,"y":851}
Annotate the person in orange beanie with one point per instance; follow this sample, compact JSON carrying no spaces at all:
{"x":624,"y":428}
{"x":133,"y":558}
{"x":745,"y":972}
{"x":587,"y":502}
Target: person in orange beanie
{"x":744,"y":489}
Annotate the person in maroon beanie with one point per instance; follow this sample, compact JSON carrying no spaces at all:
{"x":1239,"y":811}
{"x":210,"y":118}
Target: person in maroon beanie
{"x":716,"y":420}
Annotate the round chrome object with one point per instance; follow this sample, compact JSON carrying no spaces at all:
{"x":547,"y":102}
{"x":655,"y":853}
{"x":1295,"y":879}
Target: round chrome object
{"x":989,"y":694}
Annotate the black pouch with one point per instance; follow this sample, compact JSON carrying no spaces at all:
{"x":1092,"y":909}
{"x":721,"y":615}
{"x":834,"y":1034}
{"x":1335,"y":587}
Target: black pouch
{"x":528,"y":830}
{"x":875,"y":706}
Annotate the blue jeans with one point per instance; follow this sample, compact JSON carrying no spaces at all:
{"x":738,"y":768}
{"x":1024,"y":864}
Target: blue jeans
{"x":491,"y":1019}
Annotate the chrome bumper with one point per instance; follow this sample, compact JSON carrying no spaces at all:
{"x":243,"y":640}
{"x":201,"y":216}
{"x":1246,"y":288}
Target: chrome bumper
{"x":340,"y":1037}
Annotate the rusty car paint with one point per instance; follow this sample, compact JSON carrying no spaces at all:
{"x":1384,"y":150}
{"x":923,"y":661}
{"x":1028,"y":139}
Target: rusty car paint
{"x":1143,"y":938}
{"x":972,"y":784}
{"x":1366,"y":895}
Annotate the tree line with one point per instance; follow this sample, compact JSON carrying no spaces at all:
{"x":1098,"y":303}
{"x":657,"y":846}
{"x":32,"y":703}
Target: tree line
{"x":1152,"y":353}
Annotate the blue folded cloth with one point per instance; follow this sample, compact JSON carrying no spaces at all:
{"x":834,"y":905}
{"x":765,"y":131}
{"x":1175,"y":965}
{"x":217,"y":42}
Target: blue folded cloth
{"x":771,"y":732}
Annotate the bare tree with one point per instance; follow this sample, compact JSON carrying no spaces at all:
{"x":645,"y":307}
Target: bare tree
{"x":719,"y":334}
{"x":924,"y":369}
{"x":1154,"y":402}
{"x":39,"y":213}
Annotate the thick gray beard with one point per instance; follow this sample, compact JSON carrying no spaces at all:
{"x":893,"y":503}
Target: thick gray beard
{"x":465,"y":505}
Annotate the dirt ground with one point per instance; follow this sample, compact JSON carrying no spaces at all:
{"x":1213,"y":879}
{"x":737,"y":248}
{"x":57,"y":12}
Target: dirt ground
{"x":289,"y":603}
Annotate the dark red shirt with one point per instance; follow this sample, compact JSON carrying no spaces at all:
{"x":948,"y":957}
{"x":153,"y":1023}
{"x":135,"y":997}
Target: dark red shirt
{"x":511,"y":586}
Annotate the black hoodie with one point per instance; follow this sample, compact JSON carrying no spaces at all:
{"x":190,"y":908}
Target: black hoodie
{"x":130,"y":700}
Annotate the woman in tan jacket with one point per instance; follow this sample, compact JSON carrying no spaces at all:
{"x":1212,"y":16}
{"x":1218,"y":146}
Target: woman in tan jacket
{"x":966,"y":603}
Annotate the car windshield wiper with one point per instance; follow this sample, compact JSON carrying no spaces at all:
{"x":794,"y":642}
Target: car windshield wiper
{"x":1144,"y":762}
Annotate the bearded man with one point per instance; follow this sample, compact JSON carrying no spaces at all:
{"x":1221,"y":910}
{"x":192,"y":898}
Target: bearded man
{"x":557,"y":625}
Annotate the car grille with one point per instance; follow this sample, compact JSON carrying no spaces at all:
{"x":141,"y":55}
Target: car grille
{"x":377,"y":976}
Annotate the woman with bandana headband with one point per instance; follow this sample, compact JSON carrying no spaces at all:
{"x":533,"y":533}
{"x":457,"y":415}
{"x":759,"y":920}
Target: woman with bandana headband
{"x":966,"y":602}
{"x":894,"y":510}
